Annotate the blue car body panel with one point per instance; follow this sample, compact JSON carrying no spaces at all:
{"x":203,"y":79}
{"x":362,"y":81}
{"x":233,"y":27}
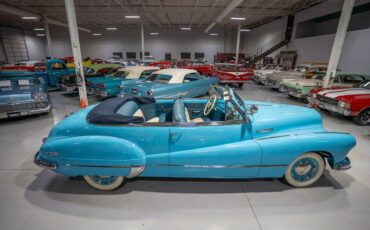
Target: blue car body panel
{"x":168,"y":91}
{"x":261,"y":147}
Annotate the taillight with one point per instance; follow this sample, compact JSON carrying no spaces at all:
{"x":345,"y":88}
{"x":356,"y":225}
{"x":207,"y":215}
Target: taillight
{"x":101,"y":85}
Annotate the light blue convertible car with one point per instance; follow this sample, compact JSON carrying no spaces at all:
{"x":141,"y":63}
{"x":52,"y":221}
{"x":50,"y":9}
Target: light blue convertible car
{"x":170,"y":83}
{"x":222,"y":137}
{"x":22,"y":95}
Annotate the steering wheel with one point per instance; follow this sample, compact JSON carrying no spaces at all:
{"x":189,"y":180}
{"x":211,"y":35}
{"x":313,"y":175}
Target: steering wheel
{"x":210,"y":104}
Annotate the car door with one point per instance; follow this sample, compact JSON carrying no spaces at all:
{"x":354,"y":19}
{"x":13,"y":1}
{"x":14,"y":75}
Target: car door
{"x":213,"y":151}
{"x":194,"y":85}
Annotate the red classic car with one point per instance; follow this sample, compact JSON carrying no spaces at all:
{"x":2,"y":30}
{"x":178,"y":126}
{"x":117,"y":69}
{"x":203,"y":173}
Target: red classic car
{"x":202,"y":69}
{"x":26,"y":65}
{"x":231,"y":73}
{"x":350,"y":102}
{"x":162,"y":64}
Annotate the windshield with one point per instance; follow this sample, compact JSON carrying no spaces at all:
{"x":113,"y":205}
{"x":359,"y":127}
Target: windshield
{"x":160,"y":78}
{"x":365,"y":84}
{"x":301,"y":69}
{"x":121,"y":74}
{"x":16,"y":81}
{"x":89,"y":71}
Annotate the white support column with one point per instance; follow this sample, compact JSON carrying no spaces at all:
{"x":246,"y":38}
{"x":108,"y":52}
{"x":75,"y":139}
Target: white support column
{"x":76,"y":50}
{"x":47,"y":33}
{"x":237,"y":45}
{"x":142,"y":42}
{"x":339,"y":40}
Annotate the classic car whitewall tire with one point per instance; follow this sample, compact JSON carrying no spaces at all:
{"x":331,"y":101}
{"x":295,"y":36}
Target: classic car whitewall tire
{"x":105,"y":183}
{"x":305,"y":170}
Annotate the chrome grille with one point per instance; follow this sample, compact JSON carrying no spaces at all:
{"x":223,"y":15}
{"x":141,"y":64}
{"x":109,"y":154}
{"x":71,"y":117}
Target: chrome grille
{"x":22,"y":107}
{"x":326,"y":100}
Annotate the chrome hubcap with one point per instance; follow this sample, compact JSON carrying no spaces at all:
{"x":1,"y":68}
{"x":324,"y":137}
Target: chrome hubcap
{"x":305,"y":169}
{"x":104,"y":180}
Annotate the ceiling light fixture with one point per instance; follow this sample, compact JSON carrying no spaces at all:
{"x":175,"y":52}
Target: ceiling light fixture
{"x":185,"y":28}
{"x":111,"y":28}
{"x":132,"y":16}
{"x":237,"y":18}
{"x":96,"y":34}
{"x":29,"y":18}
{"x":213,"y":34}
{"x":40,"y":35}
{"x":245,"y":30}
{"x":154,"y":33}
{"x":39,"y":29}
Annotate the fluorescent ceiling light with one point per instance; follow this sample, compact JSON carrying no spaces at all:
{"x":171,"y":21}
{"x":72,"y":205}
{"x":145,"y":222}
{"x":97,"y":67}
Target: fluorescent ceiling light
{"x":154,"y":33}
{"x":237,"y":18}
{"x":39,"y":29}
{"x":132,"y":16}
{"x":185,"y":28}
{"x":213,"y":34}
{"x":245,"y":30}
{"x":40,"y":35}
{"x":96,"y":34}
{"x":111,"y":28}
{"x":29,"y":18}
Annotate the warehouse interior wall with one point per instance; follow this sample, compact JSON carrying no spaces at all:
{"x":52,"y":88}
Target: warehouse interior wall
{"x":356,"y":46}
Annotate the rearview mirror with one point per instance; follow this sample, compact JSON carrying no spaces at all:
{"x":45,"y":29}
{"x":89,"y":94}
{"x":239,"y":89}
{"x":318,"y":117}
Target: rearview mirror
{"x":253,"y":108}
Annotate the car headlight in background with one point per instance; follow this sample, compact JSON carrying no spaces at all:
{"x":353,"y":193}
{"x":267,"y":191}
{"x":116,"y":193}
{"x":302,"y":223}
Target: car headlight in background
{"x":39,"y":96}
{"x":344,"y":104}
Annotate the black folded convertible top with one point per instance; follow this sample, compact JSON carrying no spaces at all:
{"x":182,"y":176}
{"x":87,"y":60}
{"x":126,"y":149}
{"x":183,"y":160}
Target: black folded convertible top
{"x":106,"y":112}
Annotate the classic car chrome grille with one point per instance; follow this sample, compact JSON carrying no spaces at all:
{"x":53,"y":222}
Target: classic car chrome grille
{"x":21,"y":107}
{"x":327,"y":100}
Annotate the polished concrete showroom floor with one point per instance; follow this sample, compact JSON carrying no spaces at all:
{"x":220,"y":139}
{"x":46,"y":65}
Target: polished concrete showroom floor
{"x":33,"y":198}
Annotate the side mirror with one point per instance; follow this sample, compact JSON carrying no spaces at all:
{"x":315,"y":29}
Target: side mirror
{"x":253,"y":108}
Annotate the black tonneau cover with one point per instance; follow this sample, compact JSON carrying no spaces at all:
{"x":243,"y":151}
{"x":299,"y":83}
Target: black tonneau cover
{"x":106,"y":112}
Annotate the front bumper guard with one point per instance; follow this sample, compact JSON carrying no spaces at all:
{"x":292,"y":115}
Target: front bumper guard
{"x":343,"y":165}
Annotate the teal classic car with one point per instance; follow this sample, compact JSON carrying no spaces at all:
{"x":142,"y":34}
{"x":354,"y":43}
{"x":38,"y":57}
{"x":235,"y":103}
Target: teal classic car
{"x":219,"y":137}
{"x":171,"y":83}
{"x":22,"y":95}
{"x":55,"y":69}
{"x":69,"y":83}
{"x":110,"y":85}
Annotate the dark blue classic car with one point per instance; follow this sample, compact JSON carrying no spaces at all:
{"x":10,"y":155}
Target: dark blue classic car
{"x":222,"y":137}
{"x":170,"y":83}
{"x":22,"y":95}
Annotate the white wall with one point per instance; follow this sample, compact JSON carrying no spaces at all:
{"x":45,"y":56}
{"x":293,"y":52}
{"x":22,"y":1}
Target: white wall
{"x":127,"y":39}
{"x":356,"y":49}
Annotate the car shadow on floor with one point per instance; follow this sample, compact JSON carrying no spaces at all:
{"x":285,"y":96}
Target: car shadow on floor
{"x":51,"y":182}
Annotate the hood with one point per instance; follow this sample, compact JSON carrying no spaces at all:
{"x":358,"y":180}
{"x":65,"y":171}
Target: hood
{"x":18,"y":93}
{"x":301,"y":82}
{"x":347,"y":93}
{"x":285,"y":75}
{"x":276,"y":119}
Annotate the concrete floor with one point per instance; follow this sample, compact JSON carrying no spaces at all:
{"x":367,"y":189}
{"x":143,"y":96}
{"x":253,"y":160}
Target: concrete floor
{"x":32,"y":198}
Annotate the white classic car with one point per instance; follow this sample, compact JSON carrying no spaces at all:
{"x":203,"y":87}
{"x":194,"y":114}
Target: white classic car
{"x":261,"y":74}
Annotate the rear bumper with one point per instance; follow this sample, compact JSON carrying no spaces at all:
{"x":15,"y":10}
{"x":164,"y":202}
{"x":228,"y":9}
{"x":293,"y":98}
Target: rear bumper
{"x":43,"y":163}
{"x":343,"y":165}
{"x":26,"y":112}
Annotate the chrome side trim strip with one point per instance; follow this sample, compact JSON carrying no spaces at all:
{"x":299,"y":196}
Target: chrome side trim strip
{"x":218,"y":166}
{"x":104,"y":166}
{"x":298,"y":134}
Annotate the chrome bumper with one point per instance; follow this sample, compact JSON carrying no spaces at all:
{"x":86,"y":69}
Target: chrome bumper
{"x":42,"y":163}
{"x":330,"y":107}
{"x":21,"y":113}
{"x":343,"y":165}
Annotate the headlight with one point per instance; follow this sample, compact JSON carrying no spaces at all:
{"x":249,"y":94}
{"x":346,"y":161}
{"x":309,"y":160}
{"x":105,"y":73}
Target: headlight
{"x":314,"y":95}
{"x":39,"y":96}
{"x":342,"y":104}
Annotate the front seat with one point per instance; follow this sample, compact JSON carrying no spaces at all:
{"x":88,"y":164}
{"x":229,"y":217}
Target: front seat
{"x":181,"y":114}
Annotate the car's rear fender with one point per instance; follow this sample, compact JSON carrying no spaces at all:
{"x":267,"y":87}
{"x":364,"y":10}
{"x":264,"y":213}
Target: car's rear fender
{"x":93,"y":155}
{"x":282,"y":149}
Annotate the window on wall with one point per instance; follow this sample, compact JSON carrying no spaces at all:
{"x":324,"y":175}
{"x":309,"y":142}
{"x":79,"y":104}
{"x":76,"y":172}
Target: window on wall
{"x":167,"y":56}
{"x":146,"y":54}
{"x":185,"y":55}
{"x":15,"y":49}
{"x":198,"y":55}
{"x":131,"y":55}
{"x":118,"y":54}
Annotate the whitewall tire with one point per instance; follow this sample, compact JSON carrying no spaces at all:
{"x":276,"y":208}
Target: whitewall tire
{"x":305,"y":170}
{"x":105,"y":183}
